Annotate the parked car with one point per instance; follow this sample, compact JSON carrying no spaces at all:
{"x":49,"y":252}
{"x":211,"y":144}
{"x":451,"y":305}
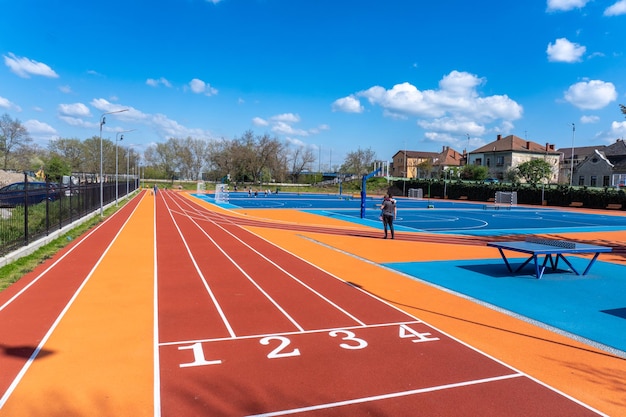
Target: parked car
{"x":491,"y":180}
{"x":33,"y":192}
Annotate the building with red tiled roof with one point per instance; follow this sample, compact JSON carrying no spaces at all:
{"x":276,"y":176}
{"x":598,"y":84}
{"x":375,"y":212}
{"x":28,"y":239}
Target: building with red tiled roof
{"x":418,"y":164}
{"x":504,"y":154}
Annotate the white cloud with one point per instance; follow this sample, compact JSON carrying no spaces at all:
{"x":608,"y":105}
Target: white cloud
{"x":37,"y":128}
{"x":200,"y":87}
{"x":75,"y":109}
{"x":591,"y":95}
{"x":562,"y":50}
{"x":617,"y":131}
{"x":457,"y":97}
{"x":616,"y":9}
{"x":348,"y":104}
{"x":164,"y":126}
{"x":7,"y":104}
{"x":589,"y":119}
{"x":25,"y":67}
{"x":156,"y":82}
{"x":257,"y":121}
{"x":286,"y":118}
{"x":566,"y":5}
{"x":65,"y":89}
{"x":286,"y":129}
{"x":452,"y":110}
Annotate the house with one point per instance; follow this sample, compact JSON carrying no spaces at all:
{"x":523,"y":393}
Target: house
{"x":605,"y":167}
{"x":571,"y":158}
{"x":418,"y":164}
{"x":504,"y":154}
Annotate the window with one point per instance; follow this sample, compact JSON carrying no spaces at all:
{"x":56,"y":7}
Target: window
{"x":478,"y":161}
{"x":581,"y":180}
{"x":488,"y":162}
{"x":605,"y":181}
{"x":594,"y":181}
{"x":499,"y":161}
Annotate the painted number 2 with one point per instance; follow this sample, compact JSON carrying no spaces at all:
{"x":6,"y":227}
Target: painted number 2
{"x":279,"y":351}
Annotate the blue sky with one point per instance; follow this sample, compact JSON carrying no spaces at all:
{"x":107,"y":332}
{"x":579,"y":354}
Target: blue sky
{"x":333,"y":75}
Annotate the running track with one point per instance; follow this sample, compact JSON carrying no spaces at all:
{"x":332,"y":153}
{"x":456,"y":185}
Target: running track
{"x":175,"y":310}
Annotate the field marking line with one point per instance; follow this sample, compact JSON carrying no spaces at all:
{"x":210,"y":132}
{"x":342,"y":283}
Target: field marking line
{"x":245,"y":274}
{"x":156,"y":394}
{"x":54,"y":264}
{"x":318,"y":294}
{"x":259,"y":336}
{"x":387,"y":396}
{"x":200,"y":274}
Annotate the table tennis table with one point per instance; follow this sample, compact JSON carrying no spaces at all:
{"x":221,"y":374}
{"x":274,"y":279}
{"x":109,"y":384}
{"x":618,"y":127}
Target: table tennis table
{"x":552,"y":250}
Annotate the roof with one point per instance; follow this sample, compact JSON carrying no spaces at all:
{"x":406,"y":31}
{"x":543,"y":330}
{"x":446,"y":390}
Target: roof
{"x":513,"y":143}
{"x":447,"y":156}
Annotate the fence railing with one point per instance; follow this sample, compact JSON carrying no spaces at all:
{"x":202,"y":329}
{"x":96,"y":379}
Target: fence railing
{"x":26,"y":219}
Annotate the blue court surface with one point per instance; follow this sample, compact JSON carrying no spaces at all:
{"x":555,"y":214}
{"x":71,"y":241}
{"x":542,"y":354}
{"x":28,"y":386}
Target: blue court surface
{"x":591,"y":306}
{"x":444,"y":216}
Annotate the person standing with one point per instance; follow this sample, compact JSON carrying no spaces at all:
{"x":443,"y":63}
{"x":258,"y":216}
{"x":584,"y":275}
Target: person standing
{"x":389,"y":211}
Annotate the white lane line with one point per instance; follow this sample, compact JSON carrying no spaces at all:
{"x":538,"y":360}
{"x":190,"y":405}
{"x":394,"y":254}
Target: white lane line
{"x":290,"y":275}
{"x":155,"y":325}
{"x":201,"y":275}
{"x":248,"y":277}
{"x":386,"y":396}
{"x":260,"y":336}
{"x":52,"y":328}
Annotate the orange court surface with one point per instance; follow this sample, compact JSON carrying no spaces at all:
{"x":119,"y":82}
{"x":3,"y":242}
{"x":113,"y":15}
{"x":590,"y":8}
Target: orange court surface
{"x":175,"y":306}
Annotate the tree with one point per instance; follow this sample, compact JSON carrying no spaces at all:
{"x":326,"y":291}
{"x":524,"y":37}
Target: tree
{"x":56,"y":168}
{"x":301,"y":159}
{"x":534,"y":171}
{"x":72,"y":151}
{"x":12,"y":136}
{"x":474,"y":172}
{"x":359,"y":162}
{"x":623,"y":109}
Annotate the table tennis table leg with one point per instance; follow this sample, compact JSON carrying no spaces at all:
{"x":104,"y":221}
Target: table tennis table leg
{"x":593,"y":260}
{"x":506,"y":262}
{"x":568,"y":263}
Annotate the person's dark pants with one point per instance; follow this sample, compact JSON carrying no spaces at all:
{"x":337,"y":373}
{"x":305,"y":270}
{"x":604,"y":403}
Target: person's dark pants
{"x":388,"y":222}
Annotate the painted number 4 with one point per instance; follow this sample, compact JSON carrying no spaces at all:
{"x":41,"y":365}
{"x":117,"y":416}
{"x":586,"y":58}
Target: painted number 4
{"x":408,"y":333}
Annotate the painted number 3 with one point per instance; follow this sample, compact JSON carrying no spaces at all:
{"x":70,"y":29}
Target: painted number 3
{"x":355,"y":342}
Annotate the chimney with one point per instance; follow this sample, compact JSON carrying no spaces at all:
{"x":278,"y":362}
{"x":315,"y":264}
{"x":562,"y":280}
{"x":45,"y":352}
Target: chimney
{"x":527,"y":144}
{"x":547,"y":146}
{"x":499,"y":137}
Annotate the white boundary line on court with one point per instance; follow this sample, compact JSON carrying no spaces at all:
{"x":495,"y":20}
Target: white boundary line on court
{"x":52,"y":328}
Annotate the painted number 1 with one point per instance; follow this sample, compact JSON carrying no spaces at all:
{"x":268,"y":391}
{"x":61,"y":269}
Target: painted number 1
{"x":198,"y":356}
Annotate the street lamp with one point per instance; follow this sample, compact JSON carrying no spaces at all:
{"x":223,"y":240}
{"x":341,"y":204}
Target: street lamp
{"x":116,"y":164}
{"x":102,"y":122}
{"x":571,"y":173}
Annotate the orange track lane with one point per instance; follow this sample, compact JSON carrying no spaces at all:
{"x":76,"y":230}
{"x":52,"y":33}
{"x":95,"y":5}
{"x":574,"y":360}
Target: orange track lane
{"x":100,"y":360}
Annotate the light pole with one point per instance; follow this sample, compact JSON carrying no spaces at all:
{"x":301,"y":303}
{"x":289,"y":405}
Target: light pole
{"x":116,"y":159}
{"x":102,"y":122}
{"x":571,"y":173}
